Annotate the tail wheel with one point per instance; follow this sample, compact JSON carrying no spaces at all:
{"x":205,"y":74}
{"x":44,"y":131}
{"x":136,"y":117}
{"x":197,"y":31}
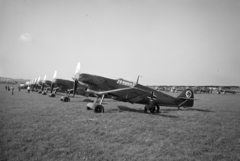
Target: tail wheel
{"x":99,"y":109}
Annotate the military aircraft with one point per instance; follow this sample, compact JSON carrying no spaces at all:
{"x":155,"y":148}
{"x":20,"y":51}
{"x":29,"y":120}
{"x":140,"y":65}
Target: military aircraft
{"x":44,"y":85}
{"x":67,"y":86}
{"x":33,"y":84}
{"x":128,"y":91}
{"x":227,"y":89}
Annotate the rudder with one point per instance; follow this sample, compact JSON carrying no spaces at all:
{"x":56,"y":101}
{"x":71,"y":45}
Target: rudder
{"x":188,"y":96}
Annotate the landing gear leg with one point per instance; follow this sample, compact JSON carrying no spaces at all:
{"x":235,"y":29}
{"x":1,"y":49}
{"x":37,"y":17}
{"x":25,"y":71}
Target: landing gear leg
{"x":158,"y":108}
{"x":96,"y":105}
{"x":65,"y":98}
{"x":145,"y":109}
{"x":99,"y":108}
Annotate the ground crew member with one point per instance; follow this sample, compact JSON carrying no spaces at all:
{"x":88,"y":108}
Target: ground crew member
{"x":12,"y":90}
{"x":28,"y":89}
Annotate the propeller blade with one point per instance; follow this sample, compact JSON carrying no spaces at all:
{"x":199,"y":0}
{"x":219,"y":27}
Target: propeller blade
{"x":43,"y":86}
{"x":44,"y":77}
{"x":52,"y":86}
{"x":75,"y":87}
{"x":78,"y":68}
{"x":55,"y":74}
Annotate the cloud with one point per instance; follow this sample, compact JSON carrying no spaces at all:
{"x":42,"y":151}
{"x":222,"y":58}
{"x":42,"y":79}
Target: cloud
{"x":25,"y":37}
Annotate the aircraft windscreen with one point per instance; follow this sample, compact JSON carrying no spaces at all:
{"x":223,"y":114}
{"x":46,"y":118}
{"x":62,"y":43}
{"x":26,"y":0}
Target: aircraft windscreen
{"x":125,"y":82}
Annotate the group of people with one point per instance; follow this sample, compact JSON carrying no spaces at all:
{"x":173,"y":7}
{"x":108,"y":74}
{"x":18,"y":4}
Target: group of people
{"x":10,"y":88}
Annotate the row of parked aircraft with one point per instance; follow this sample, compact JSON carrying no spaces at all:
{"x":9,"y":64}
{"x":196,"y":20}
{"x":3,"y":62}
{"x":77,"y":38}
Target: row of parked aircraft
{"x":117,"y":89}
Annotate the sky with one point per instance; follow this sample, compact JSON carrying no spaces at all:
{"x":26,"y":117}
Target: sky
{"x":166,"y":42}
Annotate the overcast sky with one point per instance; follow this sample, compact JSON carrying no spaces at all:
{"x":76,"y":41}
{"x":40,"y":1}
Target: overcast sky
{"x":167,"y":42}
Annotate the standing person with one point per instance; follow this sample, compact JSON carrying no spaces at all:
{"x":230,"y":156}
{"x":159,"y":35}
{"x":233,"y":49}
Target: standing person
{"x":6,"y":88}
{"x":28,"y":89}
{"x":12,"y":88}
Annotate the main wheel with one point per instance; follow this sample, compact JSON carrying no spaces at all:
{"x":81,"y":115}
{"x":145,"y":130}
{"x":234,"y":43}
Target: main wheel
{"x":51,"y":95}
{"x":66,"y":99}
{"x":152,"y":108}
{"x":99,"y":109}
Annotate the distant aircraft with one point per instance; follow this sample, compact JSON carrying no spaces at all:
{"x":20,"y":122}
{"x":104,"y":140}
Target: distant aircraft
{"x":32,"y":84}
{"x":227,"y":89}
{"x":44,"y":84}
{"x":67,"y":86}
{"x":127,"y":91}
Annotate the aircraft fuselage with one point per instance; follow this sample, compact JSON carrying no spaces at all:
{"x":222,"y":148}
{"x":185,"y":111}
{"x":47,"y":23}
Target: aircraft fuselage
{"x":98,"y":83}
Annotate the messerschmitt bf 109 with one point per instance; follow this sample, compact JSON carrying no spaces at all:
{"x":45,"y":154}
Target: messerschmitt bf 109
{"x":67,"y":86}
{"x":132,"y":92}
{"x":44,"y":85}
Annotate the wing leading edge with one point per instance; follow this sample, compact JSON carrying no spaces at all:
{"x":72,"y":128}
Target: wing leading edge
{"x":131,"y":94}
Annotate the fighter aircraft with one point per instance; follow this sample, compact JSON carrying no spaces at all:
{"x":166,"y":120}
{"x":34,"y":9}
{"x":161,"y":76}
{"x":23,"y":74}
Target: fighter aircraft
{"x":44,"y":85}
{"x":227,"y":89}
{"x":128,"y":91}
{"x":67,"y":87}
{"x":33,"y":84}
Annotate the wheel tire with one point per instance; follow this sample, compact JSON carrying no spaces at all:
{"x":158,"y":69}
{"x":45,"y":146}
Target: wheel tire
{"x":99,"y":109}
{"x":66,"y":99}
{"x":152,"y":109}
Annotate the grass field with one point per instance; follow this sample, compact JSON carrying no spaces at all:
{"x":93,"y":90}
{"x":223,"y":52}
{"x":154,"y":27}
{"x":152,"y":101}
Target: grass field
{"x":36,"y":127}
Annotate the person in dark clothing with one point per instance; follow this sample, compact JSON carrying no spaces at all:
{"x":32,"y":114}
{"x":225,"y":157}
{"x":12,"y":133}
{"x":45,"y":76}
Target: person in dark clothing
{"x":12,"y":88}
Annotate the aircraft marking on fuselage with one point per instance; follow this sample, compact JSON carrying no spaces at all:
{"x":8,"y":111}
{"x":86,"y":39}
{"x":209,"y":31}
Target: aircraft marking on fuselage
{"x":188,"y":94}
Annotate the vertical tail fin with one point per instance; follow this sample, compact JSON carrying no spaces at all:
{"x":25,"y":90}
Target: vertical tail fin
{"x":188,"y":98}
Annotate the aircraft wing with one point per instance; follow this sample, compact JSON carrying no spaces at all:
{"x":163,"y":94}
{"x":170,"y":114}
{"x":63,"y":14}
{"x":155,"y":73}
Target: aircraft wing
{"x":131,"y":94}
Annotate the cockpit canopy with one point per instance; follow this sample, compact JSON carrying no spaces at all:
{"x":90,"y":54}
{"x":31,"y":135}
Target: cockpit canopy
{"x":125,"y":82}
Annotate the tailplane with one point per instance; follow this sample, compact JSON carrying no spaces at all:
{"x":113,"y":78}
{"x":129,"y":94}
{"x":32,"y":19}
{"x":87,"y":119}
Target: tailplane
{"x":188,"y":98}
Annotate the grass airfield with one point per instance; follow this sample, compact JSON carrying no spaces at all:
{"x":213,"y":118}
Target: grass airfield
{"x":37,"y":127}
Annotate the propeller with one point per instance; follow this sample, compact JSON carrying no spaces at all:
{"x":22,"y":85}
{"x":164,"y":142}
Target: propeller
{"x":38,"y":79}
{"x":78,"y":68}
{"x":44,"y":77}
{"x":43,"y":82}
{"x":77,"y":72}
{"x":43,"y":86}
{"x":52,"y":84}
{"x":75,"y":87}
{"x":37,"y":84}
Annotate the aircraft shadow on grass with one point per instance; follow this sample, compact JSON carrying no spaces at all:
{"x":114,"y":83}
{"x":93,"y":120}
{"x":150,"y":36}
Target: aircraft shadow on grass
{"x":125,"y":108}
{"x":197,"y":109}
{"x":186,"y":109}
{"x":87,"y":100}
